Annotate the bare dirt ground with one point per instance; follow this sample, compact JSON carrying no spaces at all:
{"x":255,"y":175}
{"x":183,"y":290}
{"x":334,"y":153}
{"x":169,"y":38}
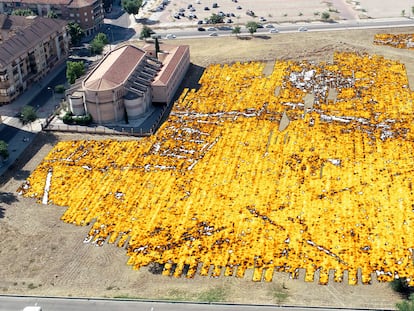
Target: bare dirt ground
{"x":40,"y":255}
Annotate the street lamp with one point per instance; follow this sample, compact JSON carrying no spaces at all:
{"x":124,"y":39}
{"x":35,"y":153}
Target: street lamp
{"x":112,"y":37}
{"x":53,"y":93}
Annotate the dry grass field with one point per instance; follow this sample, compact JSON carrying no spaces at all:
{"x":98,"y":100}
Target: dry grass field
{"x":41,"y":255}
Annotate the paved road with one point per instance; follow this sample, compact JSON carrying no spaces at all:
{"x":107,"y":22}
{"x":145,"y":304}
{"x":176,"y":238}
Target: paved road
{"x":8,"y":303}
{"x":8,"y":132}
{"x":289,"y":28}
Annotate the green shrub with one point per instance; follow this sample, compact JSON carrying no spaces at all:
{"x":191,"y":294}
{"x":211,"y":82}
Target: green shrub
{"x":70,"y":119}
{"x":67,"y":118}
{"x":401,"y":286}
{"x":4,"y":149}
{"x":60,"y":89}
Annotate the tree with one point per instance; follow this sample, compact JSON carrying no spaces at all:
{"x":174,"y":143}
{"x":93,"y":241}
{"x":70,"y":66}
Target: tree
{"x":146,"y":32}
{"x":4,"y":149}
{"x":28,"y":115}
{"x":98,"y":43}
{"x":236,"y":30}
{"x":51,"y":14}
{"x":102,"y":37}
{"x":216,"y":19}
{"x":74,"y":70}
{"x":412,"y":10}
{"x":76,"y":33}
{"x":96,"y":47}
{"x":325,"y":16}
{"x":131,"y":6}
{"x":252,"y":27}
{"x":403,"y":13}
{"x":23,"y":12}
{"x":402,"y":287}
{"x":406,"y":305}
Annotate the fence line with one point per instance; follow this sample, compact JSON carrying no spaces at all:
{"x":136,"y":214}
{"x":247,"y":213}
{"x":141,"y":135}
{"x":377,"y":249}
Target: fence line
{"x":47,"y":125}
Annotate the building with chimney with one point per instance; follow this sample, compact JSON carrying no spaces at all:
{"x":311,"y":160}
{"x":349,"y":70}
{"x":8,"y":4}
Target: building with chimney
{"x":128,"y":80}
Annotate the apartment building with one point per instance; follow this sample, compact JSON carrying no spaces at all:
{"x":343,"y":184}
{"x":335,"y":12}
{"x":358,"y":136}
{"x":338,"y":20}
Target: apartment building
{"x":89,"y":14}
{"x":29,"y":48}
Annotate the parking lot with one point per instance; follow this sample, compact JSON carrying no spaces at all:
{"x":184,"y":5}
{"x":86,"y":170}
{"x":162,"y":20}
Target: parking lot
{"x":178,"y":13}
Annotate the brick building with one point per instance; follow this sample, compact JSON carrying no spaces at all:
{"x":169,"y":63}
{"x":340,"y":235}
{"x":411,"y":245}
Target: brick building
{"x":89,"y":14}
{"x":128,"y":80}
{"x":29,"y":48}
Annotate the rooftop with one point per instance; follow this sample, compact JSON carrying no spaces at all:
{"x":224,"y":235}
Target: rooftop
{"x":115,"y":68}
{"x":19,"y":34}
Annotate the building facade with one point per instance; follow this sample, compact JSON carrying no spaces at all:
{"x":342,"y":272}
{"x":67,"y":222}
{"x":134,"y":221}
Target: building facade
{"x":128,"y":80}
{"x":89,"y":14}
{"x":29,"y":48}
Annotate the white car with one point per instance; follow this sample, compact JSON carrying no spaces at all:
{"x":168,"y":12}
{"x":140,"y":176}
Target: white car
{"x":274,"y":30}
{"x":213,"y":34}
{"x":302,"y":29}
{"x":170,"y":36}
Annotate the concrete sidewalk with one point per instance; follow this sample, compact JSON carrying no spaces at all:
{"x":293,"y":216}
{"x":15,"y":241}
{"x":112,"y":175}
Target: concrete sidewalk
{"x":26,"y":133}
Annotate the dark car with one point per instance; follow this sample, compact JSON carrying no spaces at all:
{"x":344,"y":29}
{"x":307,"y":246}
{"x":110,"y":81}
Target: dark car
{"x":201,"y":29}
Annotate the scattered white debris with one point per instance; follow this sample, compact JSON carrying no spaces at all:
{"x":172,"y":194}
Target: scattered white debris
{"x":47,"y":186}
{"x":336,"y":162}
{"x":86,"y":167}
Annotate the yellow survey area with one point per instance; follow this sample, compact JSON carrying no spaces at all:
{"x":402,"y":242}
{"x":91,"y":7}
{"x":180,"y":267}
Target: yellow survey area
{"x":224,"y":186}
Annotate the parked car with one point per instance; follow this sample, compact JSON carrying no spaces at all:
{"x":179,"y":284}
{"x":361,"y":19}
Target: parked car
{"x":206,"y":8}
{"x":212,"y":29}
{"x":215,"y":5}
{"x":200,"y":22}
{"x":269,"y":26}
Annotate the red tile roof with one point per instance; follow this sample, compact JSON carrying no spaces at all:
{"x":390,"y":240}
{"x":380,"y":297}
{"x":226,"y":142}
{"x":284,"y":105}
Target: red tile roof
{"x":174,"y":54}
{"x":115,"y":68}
{"x":21,"y":34}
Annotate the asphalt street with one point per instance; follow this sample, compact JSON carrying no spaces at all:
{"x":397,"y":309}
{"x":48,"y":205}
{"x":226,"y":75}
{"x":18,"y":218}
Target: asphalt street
{"x":9,"y":303}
